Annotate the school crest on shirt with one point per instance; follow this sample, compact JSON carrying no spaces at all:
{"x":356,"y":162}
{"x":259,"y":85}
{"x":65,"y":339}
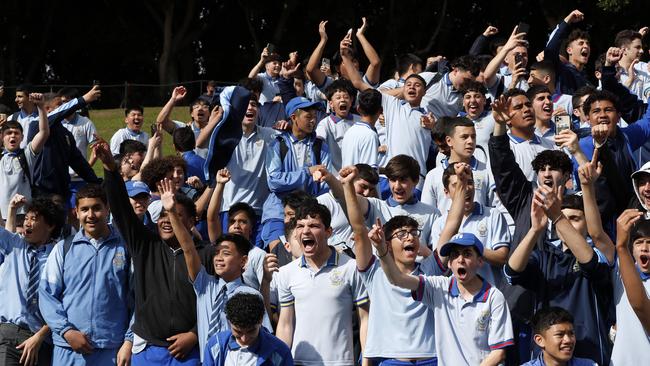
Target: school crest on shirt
{"x":259,"y":143}
{"x":483,"y":321}
{"x":336,"y":278}
{"x":119,"y":260}
{"x":482,"y":229}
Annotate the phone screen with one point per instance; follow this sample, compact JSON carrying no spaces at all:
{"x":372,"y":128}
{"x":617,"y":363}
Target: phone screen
{"x":562,"y":123}
{"x":270,"y":47}
{"x":523,"y":27}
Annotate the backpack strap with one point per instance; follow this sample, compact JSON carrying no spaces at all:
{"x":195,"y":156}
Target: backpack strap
{"x":436,"y":78}
{"x":317,"y":147}
{"x":22,"y":160}
{"x":283,"y":148}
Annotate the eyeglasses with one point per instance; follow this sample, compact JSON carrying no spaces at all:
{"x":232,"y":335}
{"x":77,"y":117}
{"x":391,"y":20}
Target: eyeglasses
{"x":401,"y":235}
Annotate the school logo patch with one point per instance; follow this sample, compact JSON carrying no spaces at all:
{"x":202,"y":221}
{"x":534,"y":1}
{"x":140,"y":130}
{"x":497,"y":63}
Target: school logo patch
{"x":483,"y":321}
{"x":119,"y":260}
{"x":482,"y":229}
{"x":259,"y":143}
{"x":336,"y":278}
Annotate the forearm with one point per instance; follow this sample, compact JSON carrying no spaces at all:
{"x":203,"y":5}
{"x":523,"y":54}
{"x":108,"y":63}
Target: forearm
{"x":496,"y":257}
{"x":203,"y":201}
{"x":187,"y":244}
{"x":213,"y":221}
{"x":163,"y":116}
{"x":255,"y":69}
{"x":494,"y":358}
{"x":395,"y":277}
{"x":493,"y":67}
{"x":576,"y":242}
{"x":372,"y":73}
{"x":594,"y":224}
{"x":284,"y":330}
{"x":10,"y":223}
{"x":354,"y":213}
{"x":312,"y":69}
{"x":203,"y":139}
{"x":353,"y":74}
{"x":519,"y":258}
{"x":363,"y":325}
{"x":634,"y":289}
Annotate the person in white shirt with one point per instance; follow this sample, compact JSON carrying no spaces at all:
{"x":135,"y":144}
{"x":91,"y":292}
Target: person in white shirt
{"x":134,"y":120}
{"x":515,"y":55}
{"x":361,"y":143}
{"x":634,"y":73}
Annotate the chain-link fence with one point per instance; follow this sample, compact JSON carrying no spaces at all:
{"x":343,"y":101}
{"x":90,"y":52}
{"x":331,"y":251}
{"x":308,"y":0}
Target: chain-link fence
{"x":121,"y":95}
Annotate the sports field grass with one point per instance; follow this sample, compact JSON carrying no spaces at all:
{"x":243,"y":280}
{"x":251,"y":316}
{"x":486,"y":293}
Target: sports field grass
{"x":107,"y":121}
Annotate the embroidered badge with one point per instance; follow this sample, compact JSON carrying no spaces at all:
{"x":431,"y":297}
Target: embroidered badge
{"x":119,"y":261}
{"x":482,"y":229}
{"x":336,"y":278}
{"x":483,"y":321}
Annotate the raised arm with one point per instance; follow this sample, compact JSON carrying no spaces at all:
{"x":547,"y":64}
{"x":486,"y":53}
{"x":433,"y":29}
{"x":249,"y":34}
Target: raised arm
{"x":519,"y":258}
{"x":312,"y":69}
{"x":204,"y":136}
{"x":552,"y":50}
{"x":480,"y":45}
{"x":260,"y":63}
{"x":393,"y":274}
{"x":16,"y":202}
{"x":634,"y":289}
{"x":456,"y":212}
{"x":588,"y":174}
{"x":213,"y":221}
{"x":490,"y":73}
{"x":43,"y":126}
{"x":372,"y":72}
{"x":163,"y":119}
{"x":362,"y":245}
{"x":351,"y":71}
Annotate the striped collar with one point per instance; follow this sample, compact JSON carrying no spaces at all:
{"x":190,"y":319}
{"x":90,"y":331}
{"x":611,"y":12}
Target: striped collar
{"x":336,"y":119}
{"x":332,"y":261}
{"x":481,"y":296}
{"x":644,"y":276}
{"x":392,"y":203}
{"x":419,"y":108}
{"x":519,"y":140}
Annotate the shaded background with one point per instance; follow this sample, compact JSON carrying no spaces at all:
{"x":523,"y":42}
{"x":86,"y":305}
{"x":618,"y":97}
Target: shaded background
{"x":163,"y":42}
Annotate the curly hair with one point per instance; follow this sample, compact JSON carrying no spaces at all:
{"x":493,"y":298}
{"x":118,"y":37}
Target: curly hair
{"x":155,"y":171}
{"x":245,"y":310}
{"x":556,"y":159}
{"x":52,"y":213}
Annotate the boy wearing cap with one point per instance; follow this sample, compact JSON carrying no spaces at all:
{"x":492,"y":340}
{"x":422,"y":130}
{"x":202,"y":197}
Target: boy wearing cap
{"x":641,"y":184}
{"x":294,"y":162}
{"x":554,"y":334}
{"x":139,"y":196}
{"x":471,"y":314}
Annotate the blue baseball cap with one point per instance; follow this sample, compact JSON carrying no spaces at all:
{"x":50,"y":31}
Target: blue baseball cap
{"x":136,"y":187}
{"x":462,"y":239}
{"x":299,"y":103}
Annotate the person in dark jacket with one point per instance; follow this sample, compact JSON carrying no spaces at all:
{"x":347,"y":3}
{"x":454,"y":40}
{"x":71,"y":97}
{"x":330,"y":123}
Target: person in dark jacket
{"x":165,"y":302}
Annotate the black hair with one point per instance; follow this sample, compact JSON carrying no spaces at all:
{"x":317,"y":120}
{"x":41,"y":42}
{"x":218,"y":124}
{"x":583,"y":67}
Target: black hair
{"x":183,"y":138}
{"x":397,"y":222}
{"x":68,"y":92}
{"x":474,"y":86}
{"x":514,"y":92}
{"x":406,"y":60}
{"x":132,"y":146}
{"x":640,"y":230}
{"x":548,"y":317}
{"x":199,"y":100}
{"x":438,"y":132}
{"x":91,"y":191}
{"x":337,"y":60}
{"x":597,"y":96}
{"x":625,"y":37}
{"x":532,"y":92}
{"x":545,"y":67}
{"x":466,"y":63}
{"x":134,"y":107}
{"x":369,"y":102}
{"x":52,"y":213}
{"x":177,"y":161}
{"x":573,"y":202}
{"x":447,"y":173}
{"x":402,"y":166}
{"x":556,"y":159}
{"x":296,"y":199}
{"x":11,"y":125}
{"x":581,"y":92}
{"x":245,"y":310}
{"x":453,"y":122}
{"x":314,"y":209}
{"x":367,"y":173}
{"x":187,"y":203}
{"x":341,"y":85}
{"x":254,"y":85}
{"x":155,"y":171}
{"x":289,"y":227}
{"x":242,"y":244}
{"x":272,"y":57}
{"x":575,"y":35}
{"x":416,"y":76}
{"x":25,"y":88}
{"x":246,"y":208}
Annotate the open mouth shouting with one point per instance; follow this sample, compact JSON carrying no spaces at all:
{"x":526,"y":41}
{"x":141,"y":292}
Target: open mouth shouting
{"x":644,"y":260}
{"x":308,"y":244}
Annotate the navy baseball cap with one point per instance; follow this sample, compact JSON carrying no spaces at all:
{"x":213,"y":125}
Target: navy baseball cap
{"x":299,"y":103}
{"x":136,"y":187}
{"x":462,"y":239}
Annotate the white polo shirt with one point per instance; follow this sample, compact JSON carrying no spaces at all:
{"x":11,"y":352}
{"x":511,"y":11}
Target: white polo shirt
{"x":13,"y":180}
{"x":490,"y":227}
{"x":484,"y":126}
{"x":270,"y":87}
{"x":124,"y":134}
{"x":398,"y":326}
{"x":359,"y":145}
{"x":332,"y":129}
{"x":563,"y":101}
{"x":247,"y":168}
{"x":391,"y":84}
{"x":526,"y":150}
{"x":631,"y":341}
{"x":254,"y":270}
{"x":323,"y":302}
{"x":641,"y":84}
{"x":404,"y":132}
{"x":441,"y":99}
{"x":341,"y":230}
{"x":471,"y":329}
{"x":433,"y":191}
{"x":424,"y":214}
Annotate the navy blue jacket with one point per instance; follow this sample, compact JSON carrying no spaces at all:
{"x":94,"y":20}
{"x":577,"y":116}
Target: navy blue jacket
{"x":270,"y":350}
{"x":568,"y":78}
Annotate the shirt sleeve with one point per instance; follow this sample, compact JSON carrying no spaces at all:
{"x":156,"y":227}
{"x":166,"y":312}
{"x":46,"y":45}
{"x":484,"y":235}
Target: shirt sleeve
{"x":367,"y":148}
{"x":429,"y":286}
{"x":432,"y":265}
{"x":499,"y":233}
{"x":8,"y":241}
{"x":200,"y":283}
{"x":428,"y":191}
{"x":357,"y":287}
{"x":285,"y":297}
{"x":500,"y":327}
{"x":50,"y":293}
{"x":321,"y":128}
{"x":90,"y":132}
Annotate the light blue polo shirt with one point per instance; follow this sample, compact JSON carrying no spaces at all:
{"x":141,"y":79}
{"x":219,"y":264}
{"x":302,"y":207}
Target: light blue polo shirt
{"x":323,"y":302}
{"x":332,"y":129}
{"x":404,"y":132}
{"x":270,"y":87}
{"x":490,"y":227}
{"x":442,"y":99}
{"x":433,"y":191}
{"x":424,"y":214}
{"x":471,"y":329}
{"x":398,"y":326}
{"x":359,"y":145}
{"x":631,"y":339}
{"x":341,"y":230}
{"x":526,"y":150}
{"x":484,"y":126}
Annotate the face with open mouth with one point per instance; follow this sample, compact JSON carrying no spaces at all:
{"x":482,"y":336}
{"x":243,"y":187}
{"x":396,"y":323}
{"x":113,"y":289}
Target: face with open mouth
{"x":251,"y":113}
{"x":165,"y":229}
{"x":413,"y":91}
{"x":36,"y":229}
{"x":93,"y":216}
{"x":641,"y":253}
{"x":523,"y":114}
{"x":228,"y":262}
{"x":643,"y":187}
{"x":402,"y":188}
{"x":604,"y":112}
{"x":474,"y":104}
{"x":11,"y":139}
{"x":579,"y":51}
{"x":134,"y":120}
{"x":551,"y":177}
{"x":543,"y":106}
{"x":405,"y":244}
{"x":341,"y":103}
{"x":558,"y":342}
{"x":312,"y":236}
{"x":200,"y":112}
{"x":464,"y":262}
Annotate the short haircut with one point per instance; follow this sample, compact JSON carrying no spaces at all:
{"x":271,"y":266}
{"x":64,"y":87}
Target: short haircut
{"x":272,"y":57}
{"x":369,"y":102}
{"x":24,"y":88}
{"x":406,"y":60}
{"x":132,"y":146}
{"x":245,"y":208}
{"x":254,"y":85}
{"x":197,"y":101}
{"x":15,"y":125}
{"x":548,"y":317}
{"x":474,"y":86}
{"x":68,"y":92}
{"x":183,"y":138}
{"x":438,"y":132}
{"x":532,"y":92}
{"x":245,"y":310}
{"x":447,"y":173}
{"x":340,"y":85}
{"x":573,"y":202}
{"x":640,"y":230}
{"x":577,"y":34}
{"x":397,"y":222}
{"x":296,"y":199}
{"x":625,"y":37}
{"x":453,"y":122}
{"x":242,"y":244}
{"x":597,"y":96}
{"x":544,"y":67}
{"x":466,"y":63}
{"x":314,"y":209}
{"x":556,"y":159}
{"x":581,"y":92}
{"x":134,"y":107}
{"x":402,"y":167}
{"x":367,"y":173}
{"x":211,"y":83}
{"x":416,"y":76}
{"x":52,"y":213}
{"x":155,"y":171}
{"x":91,"y":191}
{"x":514,"y":92}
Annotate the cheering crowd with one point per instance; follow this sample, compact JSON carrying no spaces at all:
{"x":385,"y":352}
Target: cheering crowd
{"x":488,"y":210}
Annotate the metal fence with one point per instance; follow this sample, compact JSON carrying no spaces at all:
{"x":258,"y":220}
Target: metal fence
{"x":121,"y":95}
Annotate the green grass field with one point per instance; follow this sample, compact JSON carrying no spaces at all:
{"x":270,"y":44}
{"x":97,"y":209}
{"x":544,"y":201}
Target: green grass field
{"x":107,"y":121}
